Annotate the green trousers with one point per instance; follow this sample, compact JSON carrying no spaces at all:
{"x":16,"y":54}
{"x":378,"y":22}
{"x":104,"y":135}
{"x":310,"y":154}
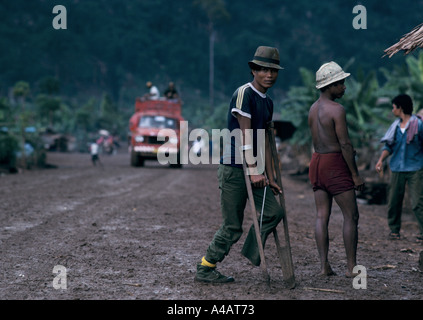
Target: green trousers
{"x":233,"y":199}
{"x":396,"y":197}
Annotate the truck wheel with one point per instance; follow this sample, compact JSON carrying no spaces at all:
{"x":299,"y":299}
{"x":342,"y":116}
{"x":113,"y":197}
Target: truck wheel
{"x":136,"y":159}
{"x":178,"y":164}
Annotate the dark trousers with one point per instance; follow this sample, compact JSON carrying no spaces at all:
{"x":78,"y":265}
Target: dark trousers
{"x":234,"y":195}
{"x":414,"y":180}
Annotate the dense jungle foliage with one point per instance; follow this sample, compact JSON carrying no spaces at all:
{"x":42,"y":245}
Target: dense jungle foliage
{"x":85,"y":77}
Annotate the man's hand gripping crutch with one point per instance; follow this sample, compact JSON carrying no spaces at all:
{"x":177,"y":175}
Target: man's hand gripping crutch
{"x":255,"y":176}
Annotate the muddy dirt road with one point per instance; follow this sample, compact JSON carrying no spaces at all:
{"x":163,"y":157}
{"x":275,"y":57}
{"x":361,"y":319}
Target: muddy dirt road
{"x":126,"y":233}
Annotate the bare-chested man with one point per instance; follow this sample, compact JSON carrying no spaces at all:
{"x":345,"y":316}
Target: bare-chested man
{"x":333,"y":172}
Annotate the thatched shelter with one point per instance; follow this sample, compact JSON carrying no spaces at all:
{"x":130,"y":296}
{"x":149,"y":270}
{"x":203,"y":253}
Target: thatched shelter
{"x":408,"y":43}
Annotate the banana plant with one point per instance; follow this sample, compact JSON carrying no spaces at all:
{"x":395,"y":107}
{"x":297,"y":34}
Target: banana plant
{"x":365,"y":104}
{"x":367,"y":111}
{"x":296,"y":106}
{"x":407,"y":78}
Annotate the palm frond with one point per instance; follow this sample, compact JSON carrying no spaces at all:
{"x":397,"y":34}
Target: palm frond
{"x":408,"y":43}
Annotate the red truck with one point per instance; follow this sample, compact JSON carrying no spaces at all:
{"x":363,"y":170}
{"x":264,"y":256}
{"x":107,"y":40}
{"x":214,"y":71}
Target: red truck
{"x":155,"y":128}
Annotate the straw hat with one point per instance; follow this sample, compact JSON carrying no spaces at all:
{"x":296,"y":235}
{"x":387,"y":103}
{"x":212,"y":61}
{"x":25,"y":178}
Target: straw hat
{"x":329,"y":73}
{"x":267,"y":57}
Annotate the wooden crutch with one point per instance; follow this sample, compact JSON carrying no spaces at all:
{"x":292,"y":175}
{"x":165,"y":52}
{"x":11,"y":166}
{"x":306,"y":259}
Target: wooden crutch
{"x":255,"y":221}
{"x":285,"y":256}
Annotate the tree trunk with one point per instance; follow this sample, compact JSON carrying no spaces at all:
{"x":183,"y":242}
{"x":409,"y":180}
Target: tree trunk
{"x":211,"y":66}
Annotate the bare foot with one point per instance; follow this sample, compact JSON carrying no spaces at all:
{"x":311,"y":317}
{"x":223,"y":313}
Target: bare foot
{"x":350,"y":274}
{"x":350,"y":271}
{"x":327,"y":271}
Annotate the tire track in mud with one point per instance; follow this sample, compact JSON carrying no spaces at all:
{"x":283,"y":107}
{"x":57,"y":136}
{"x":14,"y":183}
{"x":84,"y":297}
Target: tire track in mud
{"x":86,"y":220}
{"x":137,"y":233}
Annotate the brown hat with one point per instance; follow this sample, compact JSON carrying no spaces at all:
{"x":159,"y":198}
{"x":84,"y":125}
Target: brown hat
{"x":267,"y":57}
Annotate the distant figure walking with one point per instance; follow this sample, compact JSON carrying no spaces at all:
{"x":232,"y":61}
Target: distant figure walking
{"x":94,"y":154}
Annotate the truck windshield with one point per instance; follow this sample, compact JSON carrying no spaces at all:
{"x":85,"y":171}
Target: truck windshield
{"x":159,"y":122}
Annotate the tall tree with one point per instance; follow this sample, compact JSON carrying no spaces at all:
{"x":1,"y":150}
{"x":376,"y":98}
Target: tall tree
{"x":20,"y":91}
{"x":216,"y":12}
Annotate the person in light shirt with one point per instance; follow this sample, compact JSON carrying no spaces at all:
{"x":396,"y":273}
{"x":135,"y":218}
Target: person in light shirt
{"x":404,"y":142}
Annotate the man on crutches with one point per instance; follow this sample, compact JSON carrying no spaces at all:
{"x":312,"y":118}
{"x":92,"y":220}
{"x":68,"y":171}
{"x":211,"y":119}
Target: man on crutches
{"x":250,"y":111}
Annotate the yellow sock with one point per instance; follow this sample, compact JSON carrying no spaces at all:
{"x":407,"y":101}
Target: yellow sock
{"x":204,"y":262}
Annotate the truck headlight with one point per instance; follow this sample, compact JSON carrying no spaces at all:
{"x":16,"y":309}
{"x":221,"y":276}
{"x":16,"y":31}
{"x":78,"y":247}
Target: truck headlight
{"x":139,"y":138}
{"x":173,"y":140}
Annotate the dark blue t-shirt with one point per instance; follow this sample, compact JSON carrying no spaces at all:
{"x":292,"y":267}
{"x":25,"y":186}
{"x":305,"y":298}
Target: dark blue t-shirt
{"x":250,"y":103}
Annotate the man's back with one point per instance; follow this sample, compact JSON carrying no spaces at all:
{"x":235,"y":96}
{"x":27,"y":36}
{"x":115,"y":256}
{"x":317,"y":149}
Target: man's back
{"x":333,"y":172}
{"x":324,"y":117}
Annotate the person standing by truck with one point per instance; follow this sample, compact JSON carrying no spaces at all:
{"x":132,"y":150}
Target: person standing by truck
{"x":250,"y":108}
{"x":153,"y":93}
{"x":171,"y":93}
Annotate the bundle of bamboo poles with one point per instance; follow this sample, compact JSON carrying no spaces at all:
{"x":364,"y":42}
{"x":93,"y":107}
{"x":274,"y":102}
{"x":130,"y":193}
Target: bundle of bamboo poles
{"x":408,"y":43}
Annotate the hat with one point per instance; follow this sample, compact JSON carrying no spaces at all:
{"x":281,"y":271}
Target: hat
{"x":329,"y":73}
{"x":267,"y":57}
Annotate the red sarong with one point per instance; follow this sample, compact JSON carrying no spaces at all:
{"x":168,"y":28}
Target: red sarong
{"x":330,"y":172}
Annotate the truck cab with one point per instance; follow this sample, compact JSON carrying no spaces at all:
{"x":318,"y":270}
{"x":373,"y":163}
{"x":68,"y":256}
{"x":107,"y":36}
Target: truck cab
{"x":154,"y":124}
